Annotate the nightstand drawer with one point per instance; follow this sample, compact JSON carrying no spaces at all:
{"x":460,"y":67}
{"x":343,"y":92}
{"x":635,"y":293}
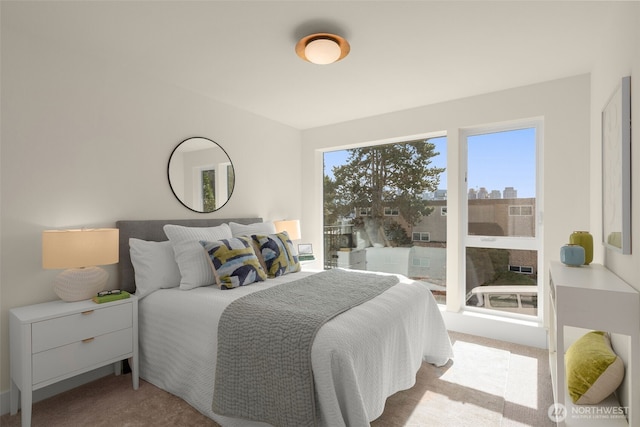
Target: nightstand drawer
{"x":64,"y":330}
{"x":80,"y":355}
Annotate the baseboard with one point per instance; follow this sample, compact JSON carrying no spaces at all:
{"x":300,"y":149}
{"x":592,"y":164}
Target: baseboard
{"x":59,"y":387}
{"x":515,"y":331}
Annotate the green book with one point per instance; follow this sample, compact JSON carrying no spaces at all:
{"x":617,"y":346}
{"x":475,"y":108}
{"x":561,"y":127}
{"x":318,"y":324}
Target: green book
{"x":111,"y":297}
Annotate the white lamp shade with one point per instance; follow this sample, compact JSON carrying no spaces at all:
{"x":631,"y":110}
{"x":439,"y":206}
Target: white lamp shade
{"x":322,"y":51}
{"x":292,"y":227}
{"x":79,"y":252}
{"x":79,"y":248}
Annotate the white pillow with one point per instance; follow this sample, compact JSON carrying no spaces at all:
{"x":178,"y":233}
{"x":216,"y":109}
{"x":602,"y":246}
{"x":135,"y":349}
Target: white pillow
{"x":154,"y":266}
{"x":192,"y":260}
{"x":251,"y":229}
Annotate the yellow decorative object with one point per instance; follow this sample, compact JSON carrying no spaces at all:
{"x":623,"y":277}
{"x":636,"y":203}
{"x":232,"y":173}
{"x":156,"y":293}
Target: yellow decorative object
{"x":584,"y":239}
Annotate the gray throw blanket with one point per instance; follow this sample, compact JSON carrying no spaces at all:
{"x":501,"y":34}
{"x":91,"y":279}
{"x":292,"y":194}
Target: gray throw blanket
{"x":263,"y":368}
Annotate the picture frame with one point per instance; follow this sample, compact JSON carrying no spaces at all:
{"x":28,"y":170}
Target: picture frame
{"x":616,"y":169}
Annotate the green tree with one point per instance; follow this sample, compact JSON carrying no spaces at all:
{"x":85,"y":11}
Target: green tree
{"x":330,"y":205}
{"x":387,"y":176}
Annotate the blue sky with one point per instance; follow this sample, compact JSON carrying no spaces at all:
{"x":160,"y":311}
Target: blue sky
{"x":496,"y":161}
{"x":503,"y":159}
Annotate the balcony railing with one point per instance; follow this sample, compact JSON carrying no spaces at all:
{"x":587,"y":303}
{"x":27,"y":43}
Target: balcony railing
{"x":333,"y":241}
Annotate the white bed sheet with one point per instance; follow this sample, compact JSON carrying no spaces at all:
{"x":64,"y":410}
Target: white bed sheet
{"x":359,"y":358}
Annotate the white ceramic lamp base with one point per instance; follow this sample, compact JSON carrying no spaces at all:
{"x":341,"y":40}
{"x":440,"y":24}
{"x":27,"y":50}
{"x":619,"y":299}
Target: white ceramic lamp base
{"x":77,"y":284}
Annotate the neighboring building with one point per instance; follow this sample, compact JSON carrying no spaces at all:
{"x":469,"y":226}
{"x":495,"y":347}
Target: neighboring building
{"x":435,"y":195}
{"x":510,"y":193}
{"x":440,"y":195}
{"x":489,"y":217}
{"x":483,"y":193}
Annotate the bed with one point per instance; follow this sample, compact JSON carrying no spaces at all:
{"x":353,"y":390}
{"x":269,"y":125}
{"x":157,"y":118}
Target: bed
{"x":359,"y":357}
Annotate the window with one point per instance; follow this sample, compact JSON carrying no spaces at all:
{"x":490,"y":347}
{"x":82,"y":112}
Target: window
{"x":421,"y":236}
{"x":501,"y":243}
{"x":379,"y":194}
{"x":521,"y":269}
{"x":365,"y":211}
{"x":391,"y":211}
{"x":520,"y":210}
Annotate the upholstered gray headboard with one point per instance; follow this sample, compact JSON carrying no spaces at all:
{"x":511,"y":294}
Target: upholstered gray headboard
{"x":152,"y":230}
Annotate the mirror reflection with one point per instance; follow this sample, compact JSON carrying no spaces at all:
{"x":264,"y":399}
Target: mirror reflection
{"x":201,"y":174}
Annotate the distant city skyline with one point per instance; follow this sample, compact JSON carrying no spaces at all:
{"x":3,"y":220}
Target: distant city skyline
{"x":472,"y":193}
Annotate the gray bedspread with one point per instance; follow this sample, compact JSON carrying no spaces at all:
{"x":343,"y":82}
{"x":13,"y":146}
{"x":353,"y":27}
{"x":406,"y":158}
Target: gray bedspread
{"x":263,"y":368}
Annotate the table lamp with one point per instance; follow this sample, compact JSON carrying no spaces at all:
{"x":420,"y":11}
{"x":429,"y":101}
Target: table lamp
{"x":292,"y":227}
{"x":79,"y":252}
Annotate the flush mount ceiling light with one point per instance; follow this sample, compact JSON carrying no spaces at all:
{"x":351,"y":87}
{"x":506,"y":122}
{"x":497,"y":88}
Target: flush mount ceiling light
{"x":322,"y":48}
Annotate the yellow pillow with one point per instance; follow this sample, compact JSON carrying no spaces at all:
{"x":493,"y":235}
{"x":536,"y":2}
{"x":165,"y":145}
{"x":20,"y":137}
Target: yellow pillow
{"x":594,"y":371}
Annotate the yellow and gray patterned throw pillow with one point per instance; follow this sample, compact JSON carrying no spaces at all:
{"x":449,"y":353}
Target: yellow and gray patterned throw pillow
{"x":234,"y":262}
{"x":276,"y":253}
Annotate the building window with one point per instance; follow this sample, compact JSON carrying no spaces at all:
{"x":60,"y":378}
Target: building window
{"x":526,"y":210}
{"x":421,"y":236}
{"x":521,"y":269}
{"x":391,"y":211}
{"x":365,"y":211}
{"x":443,"y":211}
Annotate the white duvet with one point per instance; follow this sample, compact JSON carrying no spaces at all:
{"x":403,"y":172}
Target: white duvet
{"x":359,"y":358}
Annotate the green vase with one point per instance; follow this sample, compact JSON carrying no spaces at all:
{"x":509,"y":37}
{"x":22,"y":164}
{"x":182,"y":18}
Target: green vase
{"x":584,"y":239}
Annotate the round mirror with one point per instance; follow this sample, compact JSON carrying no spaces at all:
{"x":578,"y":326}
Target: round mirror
{"x":201,"y":174}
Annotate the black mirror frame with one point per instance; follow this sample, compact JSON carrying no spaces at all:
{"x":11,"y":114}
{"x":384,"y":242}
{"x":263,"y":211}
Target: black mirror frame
{"x":169,"y":174}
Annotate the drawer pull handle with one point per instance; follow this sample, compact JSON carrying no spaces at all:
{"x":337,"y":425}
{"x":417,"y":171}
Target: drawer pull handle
{"x":87,"y":312}
{"x":86,"y":340}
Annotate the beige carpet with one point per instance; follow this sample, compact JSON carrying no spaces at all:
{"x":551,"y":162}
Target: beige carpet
{"x":489,"y":383}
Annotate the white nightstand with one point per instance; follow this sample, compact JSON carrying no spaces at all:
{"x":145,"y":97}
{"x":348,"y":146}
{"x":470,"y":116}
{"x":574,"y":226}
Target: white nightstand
{"x":57,"y":340}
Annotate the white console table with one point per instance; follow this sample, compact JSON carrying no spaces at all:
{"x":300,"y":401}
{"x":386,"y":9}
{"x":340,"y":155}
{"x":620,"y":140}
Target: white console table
{"x":592,"y":297}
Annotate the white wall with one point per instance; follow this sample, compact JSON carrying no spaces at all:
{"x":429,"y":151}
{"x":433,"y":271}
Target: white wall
{"x":564,"y":106}
{"x":619,"y":56}
{"x":86,"y":142}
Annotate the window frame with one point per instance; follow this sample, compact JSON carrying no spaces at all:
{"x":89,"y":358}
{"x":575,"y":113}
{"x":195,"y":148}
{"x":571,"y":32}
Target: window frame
{"x":500,"y":242}
{"x":391,"y":211}
{"x":421,"y":233}
{"x":530,"y":207}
